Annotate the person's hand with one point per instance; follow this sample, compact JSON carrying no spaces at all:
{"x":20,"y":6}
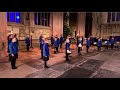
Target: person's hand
{"x":13,"y":55}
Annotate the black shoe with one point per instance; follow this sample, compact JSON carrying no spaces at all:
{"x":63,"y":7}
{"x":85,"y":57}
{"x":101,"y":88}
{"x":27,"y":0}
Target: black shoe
{"x":67,"y":60}
{"x":14,"y":67}
{"x":46,"y":67}
{"x":55,"y":52}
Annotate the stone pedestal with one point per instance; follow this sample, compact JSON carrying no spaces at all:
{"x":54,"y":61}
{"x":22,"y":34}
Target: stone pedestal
{"x":3,"y":34}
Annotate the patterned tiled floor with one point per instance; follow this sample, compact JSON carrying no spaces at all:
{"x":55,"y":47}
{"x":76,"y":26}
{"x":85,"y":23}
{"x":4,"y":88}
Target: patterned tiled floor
{"x":93,"y":64}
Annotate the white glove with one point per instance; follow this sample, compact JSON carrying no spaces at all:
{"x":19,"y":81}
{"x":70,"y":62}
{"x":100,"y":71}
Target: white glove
{"x":79,"y":45}
{"x":68,"y":51}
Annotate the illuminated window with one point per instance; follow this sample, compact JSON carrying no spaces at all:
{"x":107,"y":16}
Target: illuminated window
{"x":42,"y":19}
{"x":13,"y":17}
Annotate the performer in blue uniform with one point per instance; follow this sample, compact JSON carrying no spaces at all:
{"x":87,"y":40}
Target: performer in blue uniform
{"x":9,"y":41}
{"x":112,"y":41}
{"x":15,"y":36}
{"x":67,"y":47}
{"x":27,"y":42}
{"x":61,"y":41}
{"x":45,"y":53}
{"x":79,"y":45}
{"x":87,"y":44}
{"x":107,"y":43}
{"x":99,"y":44}
{"x":40,"y":40}
{"x":13,"y":48}
{"x":55,"y":45}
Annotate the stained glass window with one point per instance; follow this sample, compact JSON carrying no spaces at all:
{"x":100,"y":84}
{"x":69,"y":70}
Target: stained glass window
{"x":13,"y":17}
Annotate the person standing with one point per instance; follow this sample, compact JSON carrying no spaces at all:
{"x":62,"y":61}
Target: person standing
{"x":112,"y":41}
{"x":40,"y":40}
{"x":99,"y":44}
{"x":77,"y":39}
{"x":15,"y":36}
{"x":9,"y":41}
{"x":58,"y":42}
{"x":52,"y":40}
{"x":107,"y":43}
{"x":13,"y":48}
{"x":55,"y":46}
{"x":67,"y":47}
{"x":79,"y":45}
{"x":87,"y":44}
{"x":45,"y":53}
{"x":61,"y":41}
{"x":82,"y":40}
{"x":27,"y":42}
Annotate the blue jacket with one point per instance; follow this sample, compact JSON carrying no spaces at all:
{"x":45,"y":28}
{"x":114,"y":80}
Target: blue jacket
{"x":45,"y":49}
{"x":52,"y":40}
{"x":79,"y":42}
{"x":13,"y":48}
{"x":41,"y":43}
{"x":67,"y":46}
{"x":88,"y":42}
{"x":100,"y":43}
{"x":112,"y":41}
{"x":27,"y":41}
{"x":92,"y":39}
{"x":56,"y":43}
{"x":61,"y":39}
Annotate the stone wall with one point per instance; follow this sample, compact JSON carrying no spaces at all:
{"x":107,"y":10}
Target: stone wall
{"x":3,"y":35}
{"x":106,"y":29}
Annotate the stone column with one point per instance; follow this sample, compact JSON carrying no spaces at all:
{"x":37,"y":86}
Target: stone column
{"x":3,"y":34}
{"x":57,"y":23}
{"x":51,"y":23}
{"x":81,"y":23}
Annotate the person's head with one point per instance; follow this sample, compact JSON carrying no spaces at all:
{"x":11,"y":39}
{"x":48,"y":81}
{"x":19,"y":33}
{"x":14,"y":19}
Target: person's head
{"x":13,"y":39}
{"x":41,"y":35}
{"x":55,"y":38}
{"x":10,"y":36}
{"x":46,"y":40}
{"x":88,"y":38}
{"x":27,"y":36}
{"x":112,"y":37}
{"x":99,"y":39}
